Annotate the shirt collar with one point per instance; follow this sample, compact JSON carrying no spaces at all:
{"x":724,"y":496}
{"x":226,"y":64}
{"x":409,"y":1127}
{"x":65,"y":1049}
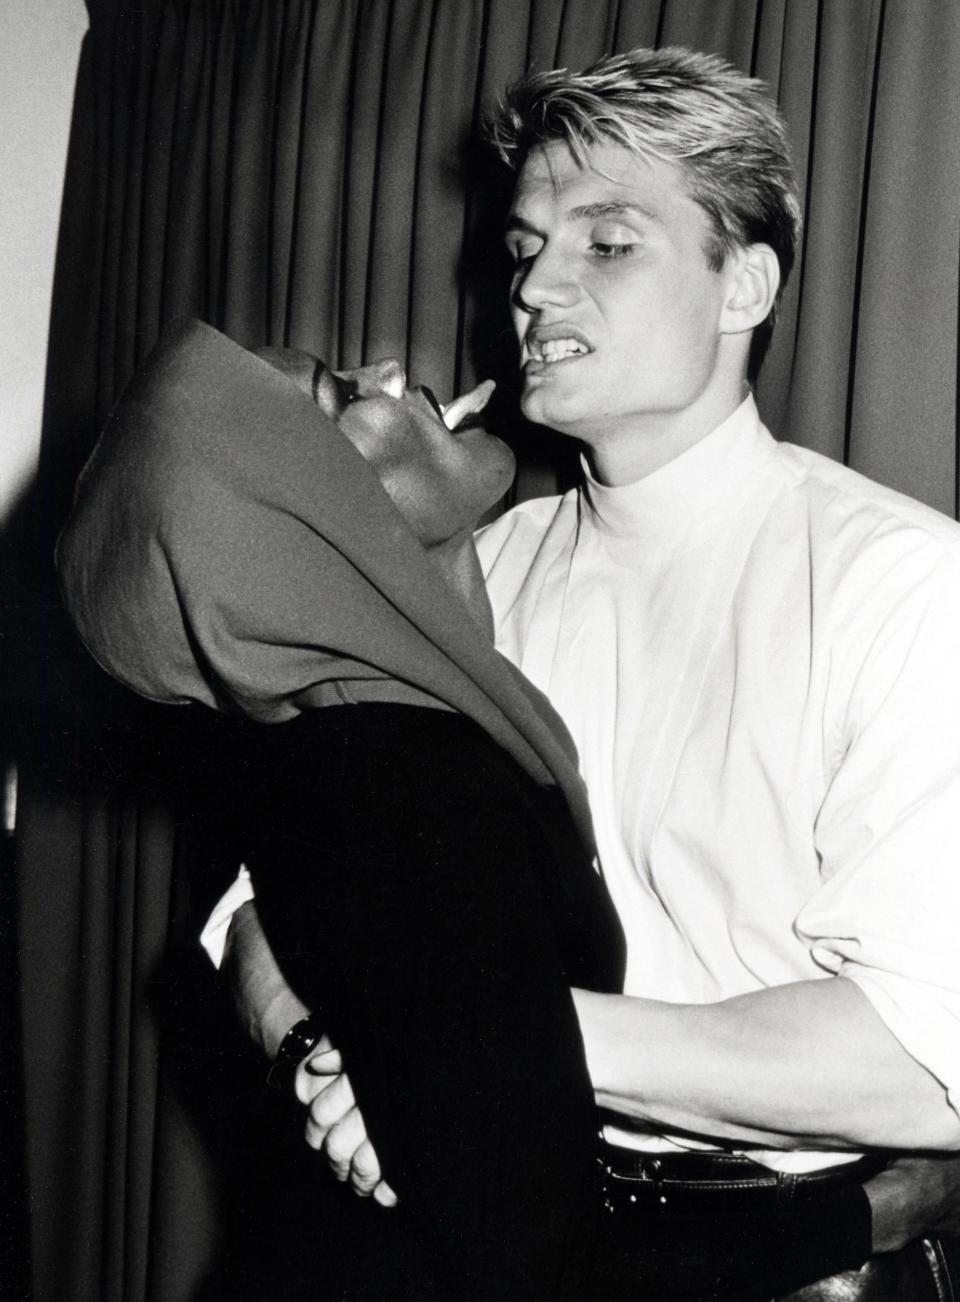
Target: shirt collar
{"x":694,"y":488}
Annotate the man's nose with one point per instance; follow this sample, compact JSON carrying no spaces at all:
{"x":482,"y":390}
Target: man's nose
{"x":545,"y":281}
{"x":387,"y":376}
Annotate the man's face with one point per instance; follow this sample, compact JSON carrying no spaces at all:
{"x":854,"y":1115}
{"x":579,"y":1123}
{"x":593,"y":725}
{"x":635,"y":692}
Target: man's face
{"x":615,"y":306}
{"x":440,"y":479}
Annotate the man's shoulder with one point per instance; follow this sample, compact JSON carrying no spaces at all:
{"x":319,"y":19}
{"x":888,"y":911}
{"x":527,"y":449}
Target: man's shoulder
{"x":517,"y":534}
{"x":844,"y":501}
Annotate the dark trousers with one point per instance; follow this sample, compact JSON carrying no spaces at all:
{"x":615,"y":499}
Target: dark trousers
{"x":720,"y":1228}
{"x":927,"y":1270}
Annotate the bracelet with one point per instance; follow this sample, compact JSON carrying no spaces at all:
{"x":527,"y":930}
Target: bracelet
{"x":302,"y":1038}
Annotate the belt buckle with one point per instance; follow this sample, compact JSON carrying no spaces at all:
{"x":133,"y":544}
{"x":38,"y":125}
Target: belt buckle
{"x":649,"y":1173}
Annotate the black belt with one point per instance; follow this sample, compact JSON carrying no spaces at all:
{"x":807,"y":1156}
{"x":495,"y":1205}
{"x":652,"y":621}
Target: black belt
{"x":710,"y":1225}
{"x":630,"y":1177}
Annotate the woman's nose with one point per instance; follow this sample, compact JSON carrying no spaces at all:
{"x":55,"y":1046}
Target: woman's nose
{"x":387,"y":376}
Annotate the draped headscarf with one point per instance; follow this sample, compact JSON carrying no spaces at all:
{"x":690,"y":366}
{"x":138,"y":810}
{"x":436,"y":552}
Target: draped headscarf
{"x":228,"y":545}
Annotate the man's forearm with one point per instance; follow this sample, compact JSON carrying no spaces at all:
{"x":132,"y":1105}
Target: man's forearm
{"x":805,"y":1065}
{"x":266,"y":1004}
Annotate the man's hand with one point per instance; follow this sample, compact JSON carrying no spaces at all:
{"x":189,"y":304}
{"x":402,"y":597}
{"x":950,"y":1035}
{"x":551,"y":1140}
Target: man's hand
{"x":914,"y":1198}
{"x":335,"y":1124}
{"x":268,"y":1008}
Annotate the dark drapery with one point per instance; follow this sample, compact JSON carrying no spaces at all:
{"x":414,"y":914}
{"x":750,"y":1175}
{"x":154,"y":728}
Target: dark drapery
{"x":299,"y":172}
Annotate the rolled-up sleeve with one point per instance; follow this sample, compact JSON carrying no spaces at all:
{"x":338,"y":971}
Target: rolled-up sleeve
{"x":887,"y":915}
{"x":213,"y":938}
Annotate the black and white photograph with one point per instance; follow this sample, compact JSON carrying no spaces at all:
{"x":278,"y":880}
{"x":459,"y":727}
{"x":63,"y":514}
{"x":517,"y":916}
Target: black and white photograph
{"x":480,"y":650}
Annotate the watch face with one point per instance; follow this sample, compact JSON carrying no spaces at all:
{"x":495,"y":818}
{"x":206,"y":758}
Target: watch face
{"x":299,"y":1040}
{"x":302,"y":1038}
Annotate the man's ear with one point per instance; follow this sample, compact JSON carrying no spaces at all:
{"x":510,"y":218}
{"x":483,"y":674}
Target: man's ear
{"x":754,"y":278}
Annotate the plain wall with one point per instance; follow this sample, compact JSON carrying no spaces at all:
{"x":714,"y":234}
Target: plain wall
{"x":39,"y":48}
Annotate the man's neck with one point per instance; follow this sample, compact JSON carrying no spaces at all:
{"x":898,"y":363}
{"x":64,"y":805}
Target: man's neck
{"x":637,"y":448}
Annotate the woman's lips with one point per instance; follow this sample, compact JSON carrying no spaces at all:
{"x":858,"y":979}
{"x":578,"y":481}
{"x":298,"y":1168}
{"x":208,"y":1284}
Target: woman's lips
{"x":468,"y":404}
{"x":431,"y":397}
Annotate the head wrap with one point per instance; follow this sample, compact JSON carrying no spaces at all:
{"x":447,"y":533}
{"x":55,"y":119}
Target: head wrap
{"x":229,"y":545}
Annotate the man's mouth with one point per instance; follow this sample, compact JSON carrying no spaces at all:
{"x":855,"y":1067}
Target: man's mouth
{"x":463,"y":409}
{"x":551,"y":345}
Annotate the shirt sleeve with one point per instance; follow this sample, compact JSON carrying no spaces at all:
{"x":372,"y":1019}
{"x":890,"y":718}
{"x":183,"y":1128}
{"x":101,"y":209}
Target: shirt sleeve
{"x":213,"y":938}
{"x":888,"y":830}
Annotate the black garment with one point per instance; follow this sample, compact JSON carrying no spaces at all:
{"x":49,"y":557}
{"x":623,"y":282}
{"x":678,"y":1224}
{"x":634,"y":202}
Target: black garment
{"x":416,"y":883}
{"x":715,"y":1227}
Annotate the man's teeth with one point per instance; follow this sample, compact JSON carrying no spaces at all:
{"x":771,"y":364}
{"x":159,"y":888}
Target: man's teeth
{"x":555,"y":350}
{"x":468,"y":404}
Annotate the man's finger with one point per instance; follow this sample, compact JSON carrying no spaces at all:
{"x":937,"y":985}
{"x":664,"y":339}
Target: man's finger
{"x":342,"y":1142}
{"x":325,"y":1060}
{"x":384,"y":1195}
{"x":333,"y":1102}
{"x":364,"y":1170}
{"x":330,"y":1107}
{"x":314,"y":1073}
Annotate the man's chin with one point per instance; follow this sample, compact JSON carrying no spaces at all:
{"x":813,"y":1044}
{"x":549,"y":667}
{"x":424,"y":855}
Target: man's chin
{"x":544,"y":407}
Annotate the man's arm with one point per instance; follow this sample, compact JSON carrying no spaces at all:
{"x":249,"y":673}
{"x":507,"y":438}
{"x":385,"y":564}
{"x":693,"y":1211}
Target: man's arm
{"x":796,"y":1066}
{"x":267,"y":1008}
{"x":266,"y":1005}
{"x":864,"y":1057}
{"x":914,"y":1197}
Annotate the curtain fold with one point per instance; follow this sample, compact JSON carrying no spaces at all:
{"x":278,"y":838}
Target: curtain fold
{"x":301,"y":172}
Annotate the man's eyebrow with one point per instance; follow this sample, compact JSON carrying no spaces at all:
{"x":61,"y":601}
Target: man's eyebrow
{"x":611,"y":208}
{"x":587,"y":212}
{"x":517,"y":223}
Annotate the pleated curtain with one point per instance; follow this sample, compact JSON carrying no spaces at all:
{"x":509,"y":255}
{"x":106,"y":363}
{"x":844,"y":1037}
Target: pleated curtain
{"x":304,"y":172}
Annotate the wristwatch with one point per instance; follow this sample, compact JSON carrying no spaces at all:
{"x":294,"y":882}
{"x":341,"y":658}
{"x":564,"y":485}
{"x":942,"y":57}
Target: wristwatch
{"x":302,"y":1038}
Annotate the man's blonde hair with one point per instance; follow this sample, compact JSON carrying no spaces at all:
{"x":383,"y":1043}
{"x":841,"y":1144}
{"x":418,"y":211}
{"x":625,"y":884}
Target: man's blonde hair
{"x":720,"y":126}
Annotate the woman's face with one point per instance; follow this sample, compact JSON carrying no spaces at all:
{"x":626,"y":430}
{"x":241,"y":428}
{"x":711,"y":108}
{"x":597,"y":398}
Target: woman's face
{"x":440,"y":479}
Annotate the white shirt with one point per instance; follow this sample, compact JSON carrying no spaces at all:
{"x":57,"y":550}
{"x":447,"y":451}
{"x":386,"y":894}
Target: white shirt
{"x":758,"y":654}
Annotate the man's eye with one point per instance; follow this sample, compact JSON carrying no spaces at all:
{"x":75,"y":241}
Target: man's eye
{"x":603,"y":250}
{"x":522,"y":255}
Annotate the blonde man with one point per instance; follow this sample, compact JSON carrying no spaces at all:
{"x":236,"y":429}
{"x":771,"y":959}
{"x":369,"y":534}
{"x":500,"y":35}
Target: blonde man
{"x":755,"y":650}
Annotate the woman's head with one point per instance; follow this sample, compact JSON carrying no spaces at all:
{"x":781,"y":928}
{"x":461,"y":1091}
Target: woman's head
{"x":229,"y":545}
{"x":442,"y":470}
